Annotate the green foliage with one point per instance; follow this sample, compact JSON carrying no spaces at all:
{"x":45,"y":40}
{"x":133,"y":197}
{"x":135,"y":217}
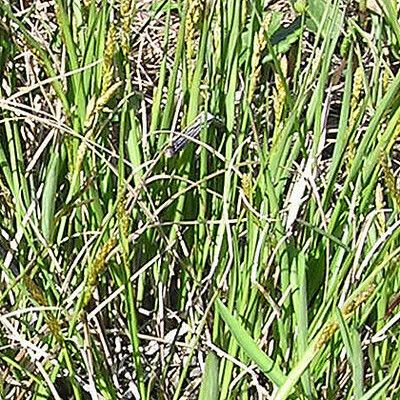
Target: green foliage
{"x":260,"y":260}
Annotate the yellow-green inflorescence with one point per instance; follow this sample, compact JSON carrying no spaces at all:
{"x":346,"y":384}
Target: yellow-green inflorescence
{"x":247,"y":186}
{"x":37,"y":294}
{"x":352,"y":305}
{"x":194,"y":16}
{"x":355,"y":95}
{"x":96,"y":269}
{"x":355,"y":109}
{"x":108,"y":58}
{"x":123,"y":216}
{"x":259,"y":45}
{"x":279,"y":94}
{"x":331,"y":327}
{"x":325,"y":335}
{"x":96,"y":104}
{"x":128,"y":11}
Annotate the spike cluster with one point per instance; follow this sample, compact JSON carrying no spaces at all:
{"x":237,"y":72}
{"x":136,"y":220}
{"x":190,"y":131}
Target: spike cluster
{"x":194,"y":16}
{"x":259,"y":45}
{"x":96,"y":269}
{"x":390,"y":180}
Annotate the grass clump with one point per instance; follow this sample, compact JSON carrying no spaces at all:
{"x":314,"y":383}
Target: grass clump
{"x":199,"y":200}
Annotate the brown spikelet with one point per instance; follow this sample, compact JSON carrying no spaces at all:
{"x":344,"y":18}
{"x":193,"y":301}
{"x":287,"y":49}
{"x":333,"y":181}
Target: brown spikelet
{"x":390,"y":180}
{"x":35,"y":291}
{"x":38,"y":297}
{"x":54,"y":327}
{"x":5,"y":196}
{"x":379,"y":204}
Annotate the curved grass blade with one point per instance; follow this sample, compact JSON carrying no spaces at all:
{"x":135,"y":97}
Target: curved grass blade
{"x":250,"y":347}
{"x":209,"y":386}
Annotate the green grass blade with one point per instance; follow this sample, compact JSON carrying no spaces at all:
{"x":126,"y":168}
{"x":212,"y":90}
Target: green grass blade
{"x":209,"y":384}
{"x":250,"y":347}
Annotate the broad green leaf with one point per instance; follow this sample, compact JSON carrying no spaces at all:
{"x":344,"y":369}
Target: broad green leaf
{"x":250,"y":347}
